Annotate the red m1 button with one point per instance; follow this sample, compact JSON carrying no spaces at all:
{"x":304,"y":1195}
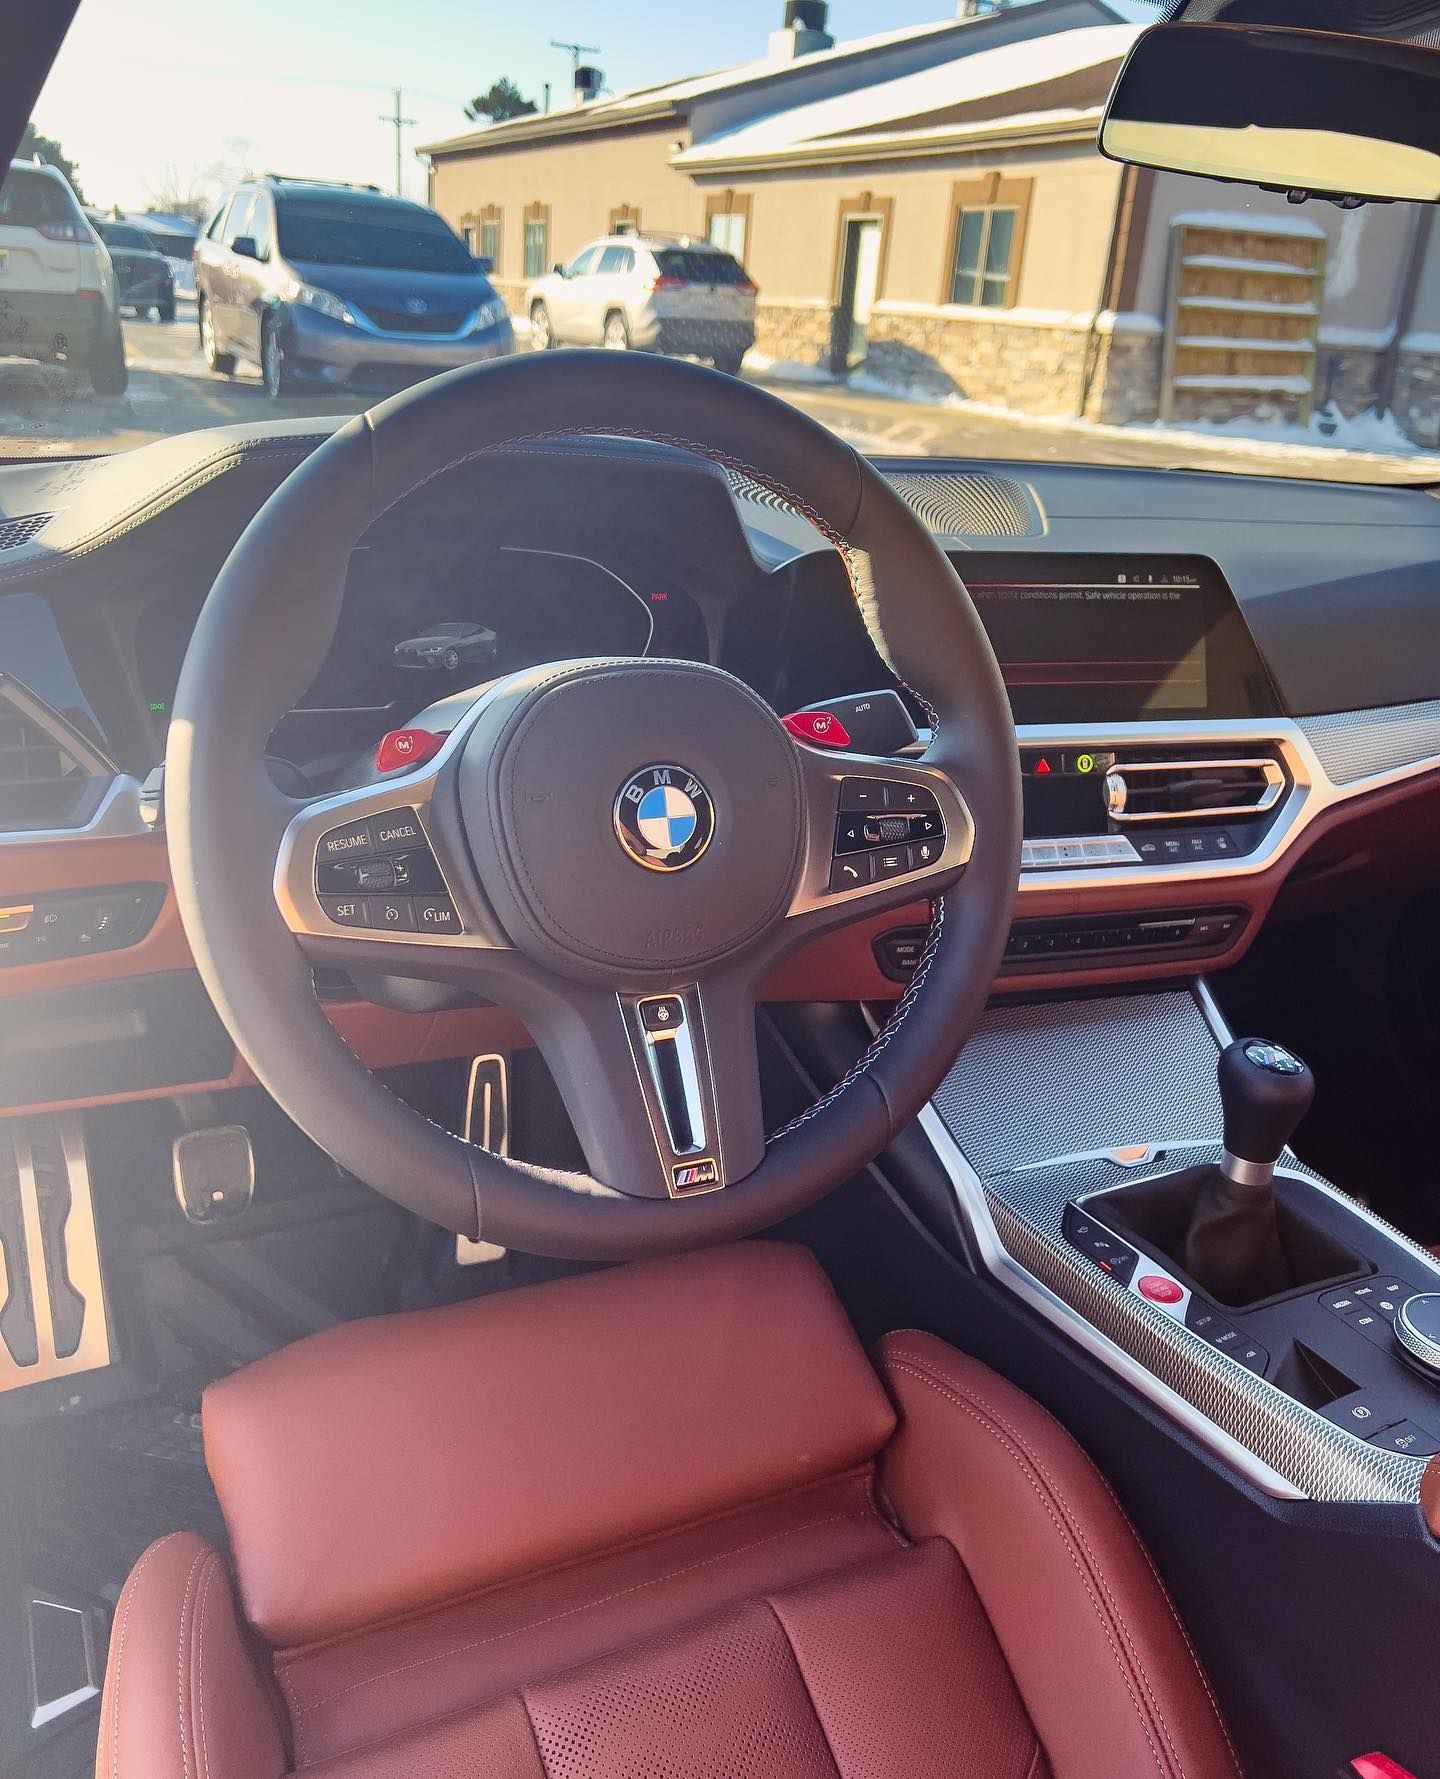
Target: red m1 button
{"x":408,"y":747}
{"x":1158,"y":1289}
{"x":821,"y":728}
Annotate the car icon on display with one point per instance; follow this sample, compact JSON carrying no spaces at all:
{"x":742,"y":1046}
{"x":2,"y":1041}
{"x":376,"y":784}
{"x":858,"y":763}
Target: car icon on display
{"x":448,"y":647}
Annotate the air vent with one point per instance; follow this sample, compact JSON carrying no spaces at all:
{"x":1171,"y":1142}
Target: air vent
{"x":957,"y":505}
{"x":1199,"y":790}
{"x":23,"y":530}
{"x":49,"y":776}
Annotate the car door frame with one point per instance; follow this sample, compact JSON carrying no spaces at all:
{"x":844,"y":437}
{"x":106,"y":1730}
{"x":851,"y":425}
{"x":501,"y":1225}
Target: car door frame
{"x":252,"y":280}
{"x":566,"y":321}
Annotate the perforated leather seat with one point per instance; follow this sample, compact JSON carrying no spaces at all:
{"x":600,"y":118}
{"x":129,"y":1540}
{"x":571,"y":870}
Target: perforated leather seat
{"x":661,"y":1521}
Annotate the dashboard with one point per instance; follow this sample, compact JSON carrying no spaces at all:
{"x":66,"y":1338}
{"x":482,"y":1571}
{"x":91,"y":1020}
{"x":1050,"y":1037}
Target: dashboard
{"x":1227,"y":689}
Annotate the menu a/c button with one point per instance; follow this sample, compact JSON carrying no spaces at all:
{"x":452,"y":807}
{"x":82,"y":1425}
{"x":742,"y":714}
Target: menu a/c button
{"x":436,"y":914}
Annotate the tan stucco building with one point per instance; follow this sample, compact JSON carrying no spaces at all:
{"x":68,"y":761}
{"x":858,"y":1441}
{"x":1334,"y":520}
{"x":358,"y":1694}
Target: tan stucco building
{"x":930,"y":203}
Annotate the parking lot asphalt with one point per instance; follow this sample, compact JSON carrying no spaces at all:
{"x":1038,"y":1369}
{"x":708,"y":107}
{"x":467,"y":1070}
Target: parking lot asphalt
{"x":51,"y":411}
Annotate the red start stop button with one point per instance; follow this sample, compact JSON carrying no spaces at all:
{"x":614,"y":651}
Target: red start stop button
{"x":1159,"y":1289}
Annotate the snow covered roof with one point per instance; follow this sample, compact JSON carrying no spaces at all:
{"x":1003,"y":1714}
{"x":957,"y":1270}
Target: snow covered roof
{"x":1030,"y":80}
{"x":675,"y":96}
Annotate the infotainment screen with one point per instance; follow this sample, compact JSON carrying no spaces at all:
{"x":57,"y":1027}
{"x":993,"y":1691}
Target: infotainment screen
{"x":1116,"y":638}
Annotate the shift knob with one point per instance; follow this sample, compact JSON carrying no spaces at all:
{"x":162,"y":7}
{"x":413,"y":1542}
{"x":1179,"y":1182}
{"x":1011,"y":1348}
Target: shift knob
{"x":1265,"y":1091}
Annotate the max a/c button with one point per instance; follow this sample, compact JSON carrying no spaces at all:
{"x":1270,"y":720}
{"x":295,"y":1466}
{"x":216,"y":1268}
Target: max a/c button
{"x":436,"y":914}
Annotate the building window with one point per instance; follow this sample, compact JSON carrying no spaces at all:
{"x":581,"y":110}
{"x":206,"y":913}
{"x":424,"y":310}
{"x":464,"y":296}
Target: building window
{"x":727,"y":231}
{"x":984,"y":243}
{"x":467,"y":235}
{"x":625,"y":220}
{"x":537,"y":243}
{"x":987,"y":241}
{"x":490,"y":240}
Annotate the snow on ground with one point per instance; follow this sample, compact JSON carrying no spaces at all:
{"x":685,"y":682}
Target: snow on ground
{"x":1374,"y":437}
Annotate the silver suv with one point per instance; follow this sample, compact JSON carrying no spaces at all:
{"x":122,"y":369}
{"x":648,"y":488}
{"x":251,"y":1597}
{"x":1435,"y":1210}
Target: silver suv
{"x":653,"y":293}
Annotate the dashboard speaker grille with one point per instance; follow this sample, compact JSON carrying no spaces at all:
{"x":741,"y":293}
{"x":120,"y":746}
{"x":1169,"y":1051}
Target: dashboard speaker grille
{"x":954,"y":505}
{"x":959,"y":505}
{"x":23,"y":530}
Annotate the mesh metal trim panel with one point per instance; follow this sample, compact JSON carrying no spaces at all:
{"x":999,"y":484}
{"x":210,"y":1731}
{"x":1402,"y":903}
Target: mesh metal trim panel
{"x":14,"y":532}
{"x":970,"y":506}
{"x":1070,"y":1077}
{"x":952,"y":504}
{"x":1359,"y":743}
{"x":1059,"y":1079}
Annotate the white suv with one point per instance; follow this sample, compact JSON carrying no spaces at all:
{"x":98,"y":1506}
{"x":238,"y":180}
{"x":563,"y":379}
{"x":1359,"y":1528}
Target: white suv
{"x":58,"y":299}
{"x":653,"y":293}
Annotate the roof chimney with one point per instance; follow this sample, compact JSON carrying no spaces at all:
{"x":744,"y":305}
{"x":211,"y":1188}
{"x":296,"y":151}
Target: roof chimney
{"x":803,"y":31}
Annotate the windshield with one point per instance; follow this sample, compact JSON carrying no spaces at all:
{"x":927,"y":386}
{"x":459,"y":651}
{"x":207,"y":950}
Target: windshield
{"x":390,"y":237}
{"x":891,"y":213}
{"x":117,"y":235}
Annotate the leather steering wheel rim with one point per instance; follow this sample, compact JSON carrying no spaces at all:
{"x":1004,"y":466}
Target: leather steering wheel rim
{"x":262,"y":637}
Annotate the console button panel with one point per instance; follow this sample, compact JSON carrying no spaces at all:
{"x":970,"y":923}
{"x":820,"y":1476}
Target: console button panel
{"x":380,"y":875}
{"x":74,"y":923}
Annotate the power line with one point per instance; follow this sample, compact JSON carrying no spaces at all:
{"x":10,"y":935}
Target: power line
{"x":394,"y":118}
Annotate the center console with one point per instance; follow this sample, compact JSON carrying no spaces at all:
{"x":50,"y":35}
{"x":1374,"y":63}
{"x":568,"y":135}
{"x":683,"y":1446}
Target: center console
{"x":1138,"y":1195}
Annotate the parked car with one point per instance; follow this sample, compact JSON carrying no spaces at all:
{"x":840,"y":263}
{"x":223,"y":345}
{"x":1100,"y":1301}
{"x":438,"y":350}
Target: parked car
{"x":58,"y":296}
{"x":175,"y":237}
{"x":448,"y":646}
{"x":142,"y":275}
{"x":324,"y":284}
{"x":652,"y":293}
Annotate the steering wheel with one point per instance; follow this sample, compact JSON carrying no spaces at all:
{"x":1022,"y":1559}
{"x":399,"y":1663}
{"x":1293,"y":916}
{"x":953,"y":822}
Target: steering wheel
{"x":618,"y":850}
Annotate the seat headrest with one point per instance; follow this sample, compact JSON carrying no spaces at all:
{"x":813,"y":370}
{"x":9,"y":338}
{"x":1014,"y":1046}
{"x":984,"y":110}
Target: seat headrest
{"x":387,"y":1465}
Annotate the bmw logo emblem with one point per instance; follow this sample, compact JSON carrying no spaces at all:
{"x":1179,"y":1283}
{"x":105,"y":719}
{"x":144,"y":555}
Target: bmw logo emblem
{"x":416,"y":306}
{"x":664,"y":817}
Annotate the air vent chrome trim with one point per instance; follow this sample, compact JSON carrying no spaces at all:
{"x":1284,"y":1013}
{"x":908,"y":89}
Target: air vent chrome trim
{"x":114,"y":802}
{"x":1117,"y":798}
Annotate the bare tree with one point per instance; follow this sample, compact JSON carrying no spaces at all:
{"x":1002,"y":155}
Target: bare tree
{"x":192,"y":193}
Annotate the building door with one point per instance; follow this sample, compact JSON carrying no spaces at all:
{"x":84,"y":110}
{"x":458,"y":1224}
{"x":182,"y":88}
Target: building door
{"x":859,"y":285}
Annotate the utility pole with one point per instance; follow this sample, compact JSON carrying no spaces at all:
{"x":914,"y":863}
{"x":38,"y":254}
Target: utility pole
{"x":397,"y":123}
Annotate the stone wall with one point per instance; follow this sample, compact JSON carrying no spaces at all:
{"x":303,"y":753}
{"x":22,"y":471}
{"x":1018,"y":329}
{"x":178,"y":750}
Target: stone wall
{"x":1416,"y":402}
{"x":1017,"y":364}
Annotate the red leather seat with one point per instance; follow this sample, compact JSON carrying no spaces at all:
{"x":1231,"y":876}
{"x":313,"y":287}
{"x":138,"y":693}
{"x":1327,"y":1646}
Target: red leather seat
{"x":663,"y":1522}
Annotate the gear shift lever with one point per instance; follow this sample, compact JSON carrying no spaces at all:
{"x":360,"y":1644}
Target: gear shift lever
{"x":1233,"y":1246}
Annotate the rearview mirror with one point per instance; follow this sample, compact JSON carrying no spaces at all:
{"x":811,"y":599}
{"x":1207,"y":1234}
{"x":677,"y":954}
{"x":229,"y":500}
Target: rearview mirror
{"x":243,"y":247}
{"x":484,"y":264}
{"x":560,"y":270}
{"x":1308,"y":111}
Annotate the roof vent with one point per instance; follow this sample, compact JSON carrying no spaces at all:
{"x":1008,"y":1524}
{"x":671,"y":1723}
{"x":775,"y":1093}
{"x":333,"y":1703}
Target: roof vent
{"x":22,"y":530}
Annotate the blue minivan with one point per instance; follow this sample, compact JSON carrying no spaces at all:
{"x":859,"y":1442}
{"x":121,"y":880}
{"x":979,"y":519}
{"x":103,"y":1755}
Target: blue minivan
{"x":325,"y":285}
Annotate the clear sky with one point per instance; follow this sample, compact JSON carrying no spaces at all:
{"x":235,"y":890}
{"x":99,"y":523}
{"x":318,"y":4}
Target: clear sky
{"x":154,"y":92}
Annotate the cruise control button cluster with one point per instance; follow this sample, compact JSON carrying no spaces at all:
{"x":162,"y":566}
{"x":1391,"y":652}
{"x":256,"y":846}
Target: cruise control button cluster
{"x":380,"y":874}
{"x":886,"y":828}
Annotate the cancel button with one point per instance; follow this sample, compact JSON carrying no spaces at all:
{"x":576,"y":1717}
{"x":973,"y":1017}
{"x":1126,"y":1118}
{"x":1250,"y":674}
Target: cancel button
{"x":395,"y":832}
{"x":436,"y":914}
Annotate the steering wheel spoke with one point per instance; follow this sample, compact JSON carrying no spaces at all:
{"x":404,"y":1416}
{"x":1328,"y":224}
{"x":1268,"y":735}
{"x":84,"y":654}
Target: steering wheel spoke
{"x":881,"y":832}
{"x":663,"y":1086}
